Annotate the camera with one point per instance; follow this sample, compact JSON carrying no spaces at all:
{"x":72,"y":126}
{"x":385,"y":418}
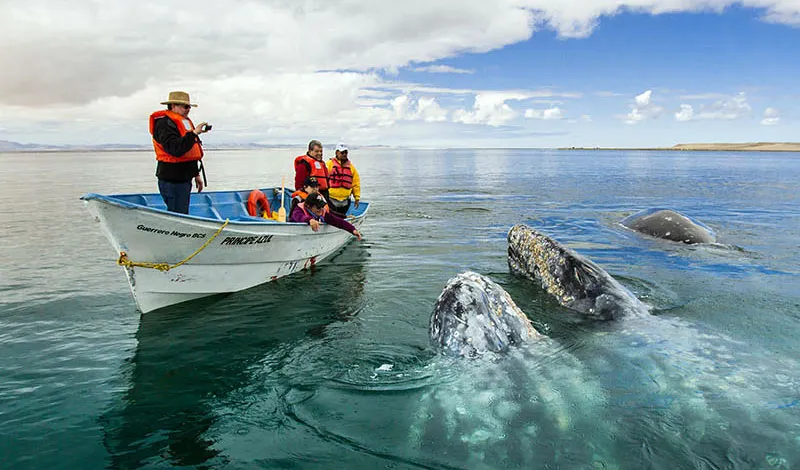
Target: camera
{"x":207,"y":128}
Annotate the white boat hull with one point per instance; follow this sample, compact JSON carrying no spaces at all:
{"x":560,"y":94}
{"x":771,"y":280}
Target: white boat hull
{"x":242,"y":255}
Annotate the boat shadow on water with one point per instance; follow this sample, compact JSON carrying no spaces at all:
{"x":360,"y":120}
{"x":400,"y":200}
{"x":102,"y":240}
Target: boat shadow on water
{"x":193,"y":355}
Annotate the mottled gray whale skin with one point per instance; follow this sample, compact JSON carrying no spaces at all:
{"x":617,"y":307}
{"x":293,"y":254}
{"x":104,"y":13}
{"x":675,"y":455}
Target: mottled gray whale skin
{"x":574,"y":281}
{"x":669,"y":225}
{"x":473,"y":316}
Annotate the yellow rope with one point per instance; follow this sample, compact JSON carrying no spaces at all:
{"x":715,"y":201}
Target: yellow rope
{"x":164,"y":267}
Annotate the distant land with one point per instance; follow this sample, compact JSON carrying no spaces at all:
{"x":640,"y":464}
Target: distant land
{"x":713,"y":147}
{"x":9,"y":146}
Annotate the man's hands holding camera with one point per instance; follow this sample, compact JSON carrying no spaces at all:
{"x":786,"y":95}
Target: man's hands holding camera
{"x":202,"y":127}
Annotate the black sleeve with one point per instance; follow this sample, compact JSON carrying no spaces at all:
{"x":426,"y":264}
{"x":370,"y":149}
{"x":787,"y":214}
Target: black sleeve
{"x":166,"y":133}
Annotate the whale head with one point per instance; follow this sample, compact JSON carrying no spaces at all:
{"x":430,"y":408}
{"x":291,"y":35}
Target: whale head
{"x":473,"y":316}
{"x":574,"y":281}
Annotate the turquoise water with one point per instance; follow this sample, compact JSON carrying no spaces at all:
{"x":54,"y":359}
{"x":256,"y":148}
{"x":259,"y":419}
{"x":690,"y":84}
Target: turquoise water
{"x":331,"y":368}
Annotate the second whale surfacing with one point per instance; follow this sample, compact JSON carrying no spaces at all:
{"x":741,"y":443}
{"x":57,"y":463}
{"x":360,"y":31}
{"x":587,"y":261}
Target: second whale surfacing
{"x":573,"y":280}
{"x":668,"y":224}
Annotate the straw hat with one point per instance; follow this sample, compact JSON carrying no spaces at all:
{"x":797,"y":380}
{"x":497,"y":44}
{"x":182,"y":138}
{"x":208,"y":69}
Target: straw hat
{"x":178,"y":97}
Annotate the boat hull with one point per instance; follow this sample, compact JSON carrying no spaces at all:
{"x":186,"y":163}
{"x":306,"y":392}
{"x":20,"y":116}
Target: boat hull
{"x":242,"y":255}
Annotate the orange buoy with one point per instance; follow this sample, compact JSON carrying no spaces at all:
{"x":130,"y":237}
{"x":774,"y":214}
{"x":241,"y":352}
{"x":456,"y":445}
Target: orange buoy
{"x":258,"y":205}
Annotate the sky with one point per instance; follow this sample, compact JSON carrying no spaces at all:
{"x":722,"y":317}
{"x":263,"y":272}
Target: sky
{"x":445,"y":73}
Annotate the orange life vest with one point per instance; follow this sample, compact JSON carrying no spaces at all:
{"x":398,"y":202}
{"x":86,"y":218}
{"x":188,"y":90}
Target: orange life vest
{"x":307,"y":212}
{"x":302,"y":195}
{"x":318,"y":169}
{"x":341,"y":176}
{"x":194,"y":153}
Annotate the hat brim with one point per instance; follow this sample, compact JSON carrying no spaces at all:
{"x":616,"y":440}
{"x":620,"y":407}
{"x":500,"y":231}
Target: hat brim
{"x":178,"y":102}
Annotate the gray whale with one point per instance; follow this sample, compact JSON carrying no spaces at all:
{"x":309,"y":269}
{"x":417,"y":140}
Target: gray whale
{"x":669,"y":225}
{"x":473,"y":315}
{"x":574,"y":281}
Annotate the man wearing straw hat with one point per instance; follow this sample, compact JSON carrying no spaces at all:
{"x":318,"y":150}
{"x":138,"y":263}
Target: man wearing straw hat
{"x":178,"y":150}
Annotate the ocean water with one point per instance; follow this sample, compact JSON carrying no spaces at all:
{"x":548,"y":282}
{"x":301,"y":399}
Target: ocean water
{"x":331,"y":368}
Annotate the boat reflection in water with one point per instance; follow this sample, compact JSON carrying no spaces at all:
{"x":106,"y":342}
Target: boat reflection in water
{"x":191,"y":357}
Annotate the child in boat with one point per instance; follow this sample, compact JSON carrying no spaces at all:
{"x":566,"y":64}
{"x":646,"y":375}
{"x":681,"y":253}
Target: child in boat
{"x":315,"y":210}
{"x":310,"y":186}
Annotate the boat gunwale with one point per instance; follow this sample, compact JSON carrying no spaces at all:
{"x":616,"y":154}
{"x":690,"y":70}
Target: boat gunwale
{"x":113,"y":200}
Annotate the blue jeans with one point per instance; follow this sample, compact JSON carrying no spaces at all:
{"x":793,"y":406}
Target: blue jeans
{"x":176,"y":195}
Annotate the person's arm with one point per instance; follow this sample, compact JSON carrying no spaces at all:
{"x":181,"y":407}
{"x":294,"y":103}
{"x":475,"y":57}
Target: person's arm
{"x":298,"y":215}
{"x":165,"y":132}
{"x":356,"y":185}
{"x":338,"y":222}
{"x":301,"y":172}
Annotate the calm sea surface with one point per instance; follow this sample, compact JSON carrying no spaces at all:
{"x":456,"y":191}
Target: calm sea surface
{"x":331,"y":368}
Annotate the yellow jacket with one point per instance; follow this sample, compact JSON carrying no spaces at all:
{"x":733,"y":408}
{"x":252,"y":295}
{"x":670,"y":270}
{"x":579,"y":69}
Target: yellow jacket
{"x":342,"y":193}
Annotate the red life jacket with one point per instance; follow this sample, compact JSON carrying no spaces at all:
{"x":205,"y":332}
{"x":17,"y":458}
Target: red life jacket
{"x":320,"y":218}
{"x":194,"y":153}
{"x":341,"y":176}
{"x":318,"y":170}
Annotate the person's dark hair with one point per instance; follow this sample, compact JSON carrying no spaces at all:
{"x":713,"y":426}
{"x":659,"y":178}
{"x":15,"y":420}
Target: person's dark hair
{"x":315,"y":200}
{"x":314,"y":143}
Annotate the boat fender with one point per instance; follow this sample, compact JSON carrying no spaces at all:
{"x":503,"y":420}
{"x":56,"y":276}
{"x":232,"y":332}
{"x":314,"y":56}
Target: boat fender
{"x":258,"y":205}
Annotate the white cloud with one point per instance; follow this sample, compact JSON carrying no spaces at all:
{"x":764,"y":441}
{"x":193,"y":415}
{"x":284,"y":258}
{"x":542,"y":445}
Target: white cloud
{"x":441,"y":69}
{"x":426,"y":109}
{"x":607,"y":94}
{"x":771,"y":117}
{"x":685,"y":114}
{"x":77,"y":51}
{"x":549,"y":114}
{"x":704,"y":96}
{"x":726,"y":109}
{"x":642,"y":108}
{"x":490,"y":108}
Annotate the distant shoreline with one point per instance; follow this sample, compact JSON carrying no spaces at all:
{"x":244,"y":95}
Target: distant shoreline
{"x":710,"y":147}
{"x":707,"y":147}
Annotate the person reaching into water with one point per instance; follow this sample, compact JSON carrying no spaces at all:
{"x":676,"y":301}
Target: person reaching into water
{"x":310,"y":186}
{"x":343,"y":181}
{"x":178,"y":148}
{"x":315,"y":210}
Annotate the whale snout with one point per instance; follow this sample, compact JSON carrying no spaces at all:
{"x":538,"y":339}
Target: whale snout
{"x":473,"y":316}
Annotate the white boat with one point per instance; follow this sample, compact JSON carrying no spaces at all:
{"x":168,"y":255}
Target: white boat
{"x":218,"y":247}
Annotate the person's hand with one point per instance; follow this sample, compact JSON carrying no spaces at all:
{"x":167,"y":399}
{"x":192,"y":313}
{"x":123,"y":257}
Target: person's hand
{"x":314,"y":224}
{"x":200,"y":128}
{"x":355,"y":203}
{"x":198,"y":181}
{"x":357,"y":234}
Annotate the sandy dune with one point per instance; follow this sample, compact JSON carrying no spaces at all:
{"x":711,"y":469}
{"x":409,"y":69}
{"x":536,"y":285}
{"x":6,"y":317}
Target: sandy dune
{"x":713,"y":147}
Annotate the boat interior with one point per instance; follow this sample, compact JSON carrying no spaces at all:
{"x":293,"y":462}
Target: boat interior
{"x":221,"y":205}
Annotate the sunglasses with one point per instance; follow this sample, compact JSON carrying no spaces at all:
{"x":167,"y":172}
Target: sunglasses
{"x":186,"y":106}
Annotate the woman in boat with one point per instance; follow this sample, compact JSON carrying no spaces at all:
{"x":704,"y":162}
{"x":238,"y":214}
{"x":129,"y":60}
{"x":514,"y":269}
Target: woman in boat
{"x":315,"y":210}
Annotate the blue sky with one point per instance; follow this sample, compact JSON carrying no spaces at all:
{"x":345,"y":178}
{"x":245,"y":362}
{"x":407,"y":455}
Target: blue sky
{"x":545,"y":74}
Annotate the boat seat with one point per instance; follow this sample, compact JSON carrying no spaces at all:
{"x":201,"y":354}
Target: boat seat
{"x":150,"y":200}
